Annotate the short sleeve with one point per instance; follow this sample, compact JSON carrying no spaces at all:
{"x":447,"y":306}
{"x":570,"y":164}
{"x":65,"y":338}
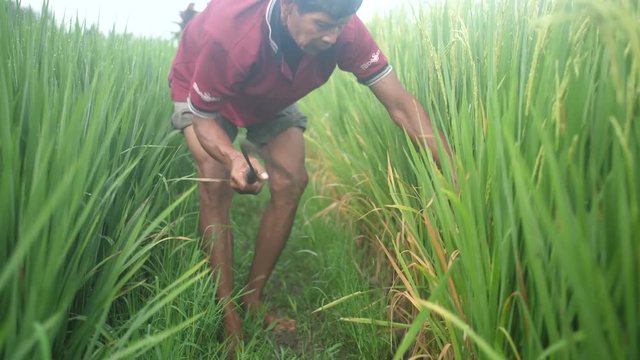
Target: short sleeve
{"x":215,"y":80}
{"x":359,"y":54}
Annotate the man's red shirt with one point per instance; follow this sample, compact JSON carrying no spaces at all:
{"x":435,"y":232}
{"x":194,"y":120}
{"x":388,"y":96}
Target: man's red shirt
{"x":230,"y":61}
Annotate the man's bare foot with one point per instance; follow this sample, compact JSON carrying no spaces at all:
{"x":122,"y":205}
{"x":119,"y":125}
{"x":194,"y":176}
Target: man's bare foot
{"x":279,"y":324}
{"x":270,"y":320}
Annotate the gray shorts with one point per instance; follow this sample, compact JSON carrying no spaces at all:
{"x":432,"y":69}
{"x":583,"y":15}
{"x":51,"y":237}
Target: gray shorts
{"x":258,"y":134}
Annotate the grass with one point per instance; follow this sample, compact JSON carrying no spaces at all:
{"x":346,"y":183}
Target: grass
{"x":318,"y":266}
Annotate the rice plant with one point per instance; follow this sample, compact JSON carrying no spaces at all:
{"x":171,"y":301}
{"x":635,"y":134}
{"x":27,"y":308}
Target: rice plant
{"x":84,"y":197}
{"x":536,"y":257}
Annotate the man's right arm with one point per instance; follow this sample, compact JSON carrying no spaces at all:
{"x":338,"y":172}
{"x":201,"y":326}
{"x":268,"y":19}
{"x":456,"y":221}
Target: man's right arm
{"x":214,"y":140}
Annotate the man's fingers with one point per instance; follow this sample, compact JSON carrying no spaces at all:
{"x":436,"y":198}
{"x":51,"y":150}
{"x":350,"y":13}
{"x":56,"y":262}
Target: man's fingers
{"x":247,"y":173}
{"x":242,"y":183}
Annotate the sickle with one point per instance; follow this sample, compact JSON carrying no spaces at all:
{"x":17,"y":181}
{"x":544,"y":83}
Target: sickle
{"x":251,"y":174}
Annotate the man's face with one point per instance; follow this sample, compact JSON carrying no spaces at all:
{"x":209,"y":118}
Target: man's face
{"x":314,"y":32}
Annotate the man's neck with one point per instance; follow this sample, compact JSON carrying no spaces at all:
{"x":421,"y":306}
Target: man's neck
{"x":287,"y":46}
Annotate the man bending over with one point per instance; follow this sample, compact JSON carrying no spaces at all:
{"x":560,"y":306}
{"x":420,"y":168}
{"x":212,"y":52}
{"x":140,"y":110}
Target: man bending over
{"x":244,"y":64}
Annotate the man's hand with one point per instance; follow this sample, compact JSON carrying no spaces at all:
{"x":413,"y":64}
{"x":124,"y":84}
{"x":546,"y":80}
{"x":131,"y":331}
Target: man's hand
{"x":217,"y":144}
{"x":239,"y":171}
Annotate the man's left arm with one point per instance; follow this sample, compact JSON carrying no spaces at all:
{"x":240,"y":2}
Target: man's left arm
{"x":409,"y":114}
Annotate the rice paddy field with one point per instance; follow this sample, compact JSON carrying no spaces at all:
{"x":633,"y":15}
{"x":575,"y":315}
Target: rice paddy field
{"x":533,"y":256}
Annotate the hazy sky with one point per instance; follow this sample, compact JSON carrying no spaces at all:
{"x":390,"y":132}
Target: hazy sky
{"x":149,"y":17}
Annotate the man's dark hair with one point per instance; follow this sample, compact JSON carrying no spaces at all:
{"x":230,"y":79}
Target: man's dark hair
{"x":335,"y":8}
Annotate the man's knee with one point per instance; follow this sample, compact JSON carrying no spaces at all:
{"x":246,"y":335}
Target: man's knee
{"x":287,"y":188}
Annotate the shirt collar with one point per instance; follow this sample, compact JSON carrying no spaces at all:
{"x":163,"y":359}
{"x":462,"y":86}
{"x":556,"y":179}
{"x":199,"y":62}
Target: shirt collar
{"x":273,"y":23}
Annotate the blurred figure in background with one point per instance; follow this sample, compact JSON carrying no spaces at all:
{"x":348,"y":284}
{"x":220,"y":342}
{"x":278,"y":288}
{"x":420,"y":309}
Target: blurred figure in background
{"x":185,"y":15}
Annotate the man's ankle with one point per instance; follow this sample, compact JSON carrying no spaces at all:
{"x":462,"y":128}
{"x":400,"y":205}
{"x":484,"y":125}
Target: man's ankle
{"x":251,"y":303}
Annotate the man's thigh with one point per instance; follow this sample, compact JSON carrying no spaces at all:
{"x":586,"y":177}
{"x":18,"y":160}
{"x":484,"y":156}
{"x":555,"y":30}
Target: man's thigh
{"x":291,"y":117}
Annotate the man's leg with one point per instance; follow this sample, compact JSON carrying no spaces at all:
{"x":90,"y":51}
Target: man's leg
{"x":284,"y":157}
{"x":215,"y":202}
